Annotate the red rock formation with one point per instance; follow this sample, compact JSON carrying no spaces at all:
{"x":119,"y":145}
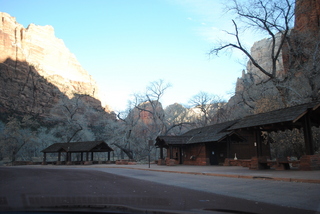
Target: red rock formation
{"x":307,"y":16}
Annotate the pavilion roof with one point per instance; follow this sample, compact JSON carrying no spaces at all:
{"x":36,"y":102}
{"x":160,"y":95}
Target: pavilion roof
{"x":86,"y":146}
{"x":285,"y":118}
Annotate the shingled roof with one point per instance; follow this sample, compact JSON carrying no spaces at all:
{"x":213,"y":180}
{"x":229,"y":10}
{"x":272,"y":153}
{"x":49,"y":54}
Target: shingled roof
{"x":87,"y":146}
{"x":285,"y":117}
{"x":212,"y":133}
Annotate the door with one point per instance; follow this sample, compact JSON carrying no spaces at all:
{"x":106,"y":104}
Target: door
{"x":213,"y":153}
{"x":214,"y":157}
{"x":180,"y":155}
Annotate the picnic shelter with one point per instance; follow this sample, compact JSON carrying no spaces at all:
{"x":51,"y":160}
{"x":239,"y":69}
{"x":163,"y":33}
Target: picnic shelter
{"x":87,"y":148}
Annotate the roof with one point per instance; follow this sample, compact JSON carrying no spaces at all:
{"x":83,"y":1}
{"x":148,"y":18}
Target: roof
{"x":87,"y":146}
{"x":285,"y":117}
{"x":175,"y":140}
{"x":212,"y":133}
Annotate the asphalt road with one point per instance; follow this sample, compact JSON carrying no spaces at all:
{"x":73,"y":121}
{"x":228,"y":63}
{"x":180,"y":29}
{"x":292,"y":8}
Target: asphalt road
{"x":29,"y":188}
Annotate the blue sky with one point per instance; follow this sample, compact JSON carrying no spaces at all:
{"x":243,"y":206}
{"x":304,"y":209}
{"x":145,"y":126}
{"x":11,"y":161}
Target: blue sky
{"x":126,"y":44}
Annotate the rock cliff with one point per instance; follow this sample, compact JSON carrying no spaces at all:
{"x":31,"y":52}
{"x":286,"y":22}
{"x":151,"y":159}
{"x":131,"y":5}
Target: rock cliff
{"x":297,"y":78}
{"x":38,"y":70}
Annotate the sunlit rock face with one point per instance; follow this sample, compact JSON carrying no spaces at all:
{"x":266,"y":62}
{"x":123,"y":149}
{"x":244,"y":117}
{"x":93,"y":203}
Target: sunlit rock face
{"x":37,"y":66}
{"x":38,"y":46}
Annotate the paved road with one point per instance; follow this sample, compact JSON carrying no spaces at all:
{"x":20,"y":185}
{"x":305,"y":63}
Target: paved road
{"x":289,"y":194}
{"x":30,"y":187}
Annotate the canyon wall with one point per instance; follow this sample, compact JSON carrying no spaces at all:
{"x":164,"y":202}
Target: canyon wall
{"x":38,"y":70}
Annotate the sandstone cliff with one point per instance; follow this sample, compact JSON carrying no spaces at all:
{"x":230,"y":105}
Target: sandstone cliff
{"x":38,"y":70}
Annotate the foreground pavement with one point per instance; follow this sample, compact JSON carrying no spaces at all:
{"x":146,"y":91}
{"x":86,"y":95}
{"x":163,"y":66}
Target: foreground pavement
{"x":71,"y":189}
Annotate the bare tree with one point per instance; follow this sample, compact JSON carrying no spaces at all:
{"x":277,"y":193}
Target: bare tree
{"x":208,"y":105}
{"x":17,"y":135}
{"x":144,"y":120}
{"x":178,"y":119}
{"x":72,"y":118}
{"x":273,"y":18}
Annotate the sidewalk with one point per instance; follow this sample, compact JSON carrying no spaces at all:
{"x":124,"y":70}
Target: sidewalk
{"x":291,"y":175}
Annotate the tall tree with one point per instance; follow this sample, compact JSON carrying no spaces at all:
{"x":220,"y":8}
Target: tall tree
{"x":272,"y":18}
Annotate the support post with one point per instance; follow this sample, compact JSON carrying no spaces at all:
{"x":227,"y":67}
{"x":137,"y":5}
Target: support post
{"x":161,"y":153}
{"x":44,"y":161}
{"x":307,"y":132}
{"x":258,"y":142}
{"x":228,"y":147}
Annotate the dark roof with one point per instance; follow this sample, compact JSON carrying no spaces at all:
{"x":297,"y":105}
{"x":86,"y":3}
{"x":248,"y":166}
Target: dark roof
{"x":286,"y":117}
{"x":176,"y":140}
{"x":212,"y":133}
{"x":87,"y":146}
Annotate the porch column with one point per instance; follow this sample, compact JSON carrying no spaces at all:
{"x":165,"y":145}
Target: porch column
{"x":44,"y":161}
{"x":81,"y":156}
{"x":91,"y":156}
{"x":228,"y":147}
{"x":257,"y":134}
{"x":69,"y":156}
{"x":161,"y":153}
{"x":307,"y":132}
{"x":108,"y":156}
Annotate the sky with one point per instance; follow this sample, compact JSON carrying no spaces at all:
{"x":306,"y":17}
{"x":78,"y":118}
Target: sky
{"x":127,"y":44}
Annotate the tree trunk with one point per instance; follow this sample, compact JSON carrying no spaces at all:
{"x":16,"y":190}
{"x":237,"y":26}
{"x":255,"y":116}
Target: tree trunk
{"x":126,"y":151}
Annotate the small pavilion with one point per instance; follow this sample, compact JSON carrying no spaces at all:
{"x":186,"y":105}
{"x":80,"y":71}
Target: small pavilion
{"x":89,"y":148}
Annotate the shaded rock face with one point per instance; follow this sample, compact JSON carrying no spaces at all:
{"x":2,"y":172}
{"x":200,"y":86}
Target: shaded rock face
{"x":37,"y":70}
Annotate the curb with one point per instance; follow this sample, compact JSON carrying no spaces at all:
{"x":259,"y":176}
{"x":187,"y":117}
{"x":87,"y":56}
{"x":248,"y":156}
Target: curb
{"x":296,"y":180}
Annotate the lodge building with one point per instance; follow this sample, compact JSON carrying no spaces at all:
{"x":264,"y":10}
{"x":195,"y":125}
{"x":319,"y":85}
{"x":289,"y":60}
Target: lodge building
{"x":242,"y":140}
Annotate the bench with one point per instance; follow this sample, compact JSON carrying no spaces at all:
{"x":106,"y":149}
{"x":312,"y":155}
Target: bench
{"x":282,"y":164}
